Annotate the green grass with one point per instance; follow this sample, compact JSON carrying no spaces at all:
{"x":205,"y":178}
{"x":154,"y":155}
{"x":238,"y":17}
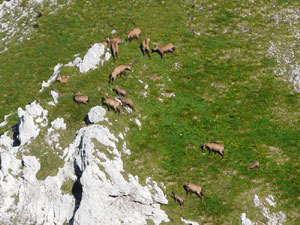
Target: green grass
{"x":225,"y":90}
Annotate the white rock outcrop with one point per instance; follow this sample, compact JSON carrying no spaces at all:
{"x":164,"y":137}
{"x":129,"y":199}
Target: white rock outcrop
{"x":96,"y":114}
{"x":96,"y":55}
{"x":54,"y":96}
{"x":52,"y":78}
{"x":3,"y":124}
{"x":53,"y":136}
{"x":93,"y":58}
{"x":102,"y":193}
{"x":245,"y":220}
{"x":107,"y":197}
{"x":26,"y":200}
{"x":189,"y":222}
{"x":31,"y":119}
{"x":17,"y":19}
{"x":138,"y":123}
{"x":275,"y":218}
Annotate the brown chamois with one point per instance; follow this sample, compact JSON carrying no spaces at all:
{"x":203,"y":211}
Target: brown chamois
{"x":120,"y":91}
{"x":115,"y":50}
{"x":163,"y":49}
{"x":253,"y":165}
{"x":64,"y":79}
{"x":193,"y":188}
{"x":145,"y":47}
{"x":127,"y":101}
{"x":111,"y":40}
{"x":104,"y":43}
{"x":135,"y":33}
{"x":178,"y":198}
{"x":214,"y":147}
{"x":118,"y":71}
{"x":111,"y":103}
{"x":79,"y":98}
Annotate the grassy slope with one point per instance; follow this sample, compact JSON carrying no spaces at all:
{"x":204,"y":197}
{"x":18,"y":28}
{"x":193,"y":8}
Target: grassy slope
{"x":225,"y":90}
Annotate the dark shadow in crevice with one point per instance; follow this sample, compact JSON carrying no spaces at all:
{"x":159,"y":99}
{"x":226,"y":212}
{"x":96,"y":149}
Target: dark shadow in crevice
{"x":77,"y":192}
{"x":16,"y":140}
{"x":87,"y":120}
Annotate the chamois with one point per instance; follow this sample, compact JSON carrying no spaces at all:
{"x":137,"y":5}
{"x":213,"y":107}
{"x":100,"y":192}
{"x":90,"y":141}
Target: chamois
{"x":117,"y":40}
{"x":120,"y":91}
{"x":214,"y":147}
{"x":135,"y":33}
{"x":145,"y":47}
{"x":64,"y":79}
{"x":118,"y":71}
{"x":104,"y":43}
{"x":111,"y":103}
{"x":127,"y":101}
{"x":178,"y":198}
{"x":193,"y":188}
{"x":253,"y":165}
{"x":79,"y":98}
{"x":115,"y":50}
{"x":163,"y":49}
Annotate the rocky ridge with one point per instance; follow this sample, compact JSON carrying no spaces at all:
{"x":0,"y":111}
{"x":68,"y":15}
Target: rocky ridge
{"x":101,"y":193}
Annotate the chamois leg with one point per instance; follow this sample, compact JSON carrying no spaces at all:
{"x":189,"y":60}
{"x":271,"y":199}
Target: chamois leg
{"x":141,"y":47}
{"x":187,"y":193}
{"x":148,"y":53}
{"x":222,"y":154}
{"x":199,"y":195}
{"x":180,"y":203}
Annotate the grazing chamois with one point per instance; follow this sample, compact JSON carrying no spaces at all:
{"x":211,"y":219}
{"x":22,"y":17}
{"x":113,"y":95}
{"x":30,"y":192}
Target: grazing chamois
{"x":127,"y":101}
{"x":253,"y":165}
{"x":79,"y":98}
{"x":64,"y":79}
{"x":119,"y":70}
{"x":120,"y":91}
{"x":214,"y":147}
{"x":111,"y":103}
{"x":163,"y":49}
{"x":135,"y":33}
{"x":145,"y":47}
{"x":193,"y":188}
{"x":111,"y":40}
{"x":104,"y":43}
{"x":115,"y":50}
{"x":178,"y":198}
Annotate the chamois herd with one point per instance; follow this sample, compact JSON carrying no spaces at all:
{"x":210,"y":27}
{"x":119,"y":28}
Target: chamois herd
{"x":120,"y":70}
{"x":123,"y":99}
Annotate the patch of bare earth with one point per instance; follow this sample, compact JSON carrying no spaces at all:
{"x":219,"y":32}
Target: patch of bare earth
{"x":276,"y":154}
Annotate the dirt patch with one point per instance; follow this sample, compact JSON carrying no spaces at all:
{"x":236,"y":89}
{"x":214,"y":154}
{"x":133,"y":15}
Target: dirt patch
{"x":276,"y":154}
{"x":282,"y":114}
